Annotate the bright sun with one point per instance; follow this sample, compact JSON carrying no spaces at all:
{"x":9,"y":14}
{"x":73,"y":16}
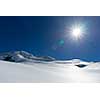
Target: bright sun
{"x":77,"y":32}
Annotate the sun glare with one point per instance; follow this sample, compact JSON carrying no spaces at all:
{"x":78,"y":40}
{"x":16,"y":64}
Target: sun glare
{"x":77,"y":31}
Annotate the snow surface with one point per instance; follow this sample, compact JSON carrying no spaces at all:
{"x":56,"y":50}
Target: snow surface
{"x":48,"y":72}
{"x":21,"y":66}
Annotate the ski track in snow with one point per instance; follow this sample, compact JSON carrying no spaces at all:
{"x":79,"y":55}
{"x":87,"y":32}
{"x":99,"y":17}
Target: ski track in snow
{"x":47,"y":72}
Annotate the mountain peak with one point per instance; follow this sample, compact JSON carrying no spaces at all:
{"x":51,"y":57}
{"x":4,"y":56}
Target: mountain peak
{"x":22,"y":56}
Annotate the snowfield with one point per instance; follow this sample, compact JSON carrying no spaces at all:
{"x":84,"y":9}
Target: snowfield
{"x":21,"y":66}
{"x":48,"y":72}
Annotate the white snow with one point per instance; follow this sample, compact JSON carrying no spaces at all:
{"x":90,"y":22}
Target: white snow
{"x":56,"y":71}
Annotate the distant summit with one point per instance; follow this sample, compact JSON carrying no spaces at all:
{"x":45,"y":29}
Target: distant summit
{"x":22,"y":56}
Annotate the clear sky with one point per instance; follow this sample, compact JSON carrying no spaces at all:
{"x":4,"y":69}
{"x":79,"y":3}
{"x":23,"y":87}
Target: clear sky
{"x":51,"y":36}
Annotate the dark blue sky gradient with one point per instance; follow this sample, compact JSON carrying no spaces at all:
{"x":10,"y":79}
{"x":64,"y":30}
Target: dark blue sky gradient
{"x":45,"y":36}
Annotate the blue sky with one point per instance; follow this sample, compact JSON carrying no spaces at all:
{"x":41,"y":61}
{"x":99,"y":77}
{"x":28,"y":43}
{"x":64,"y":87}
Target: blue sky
{"x":45,"y":36}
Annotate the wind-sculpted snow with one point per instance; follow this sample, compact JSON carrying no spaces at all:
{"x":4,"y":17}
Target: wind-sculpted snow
{"x":55,"y":71}
{"x":21,"y":66}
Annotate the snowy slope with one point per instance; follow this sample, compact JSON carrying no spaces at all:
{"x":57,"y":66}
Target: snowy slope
{"x":48,"y":72}
{"x":21,"y":66}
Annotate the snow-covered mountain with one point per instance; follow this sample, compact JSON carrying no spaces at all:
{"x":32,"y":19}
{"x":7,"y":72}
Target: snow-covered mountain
{"x":20,"y":66}
{"x":22,"y":56}
{"x":28,"y":58}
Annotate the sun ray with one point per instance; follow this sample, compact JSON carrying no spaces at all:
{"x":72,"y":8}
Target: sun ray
{"x":77,"y":31}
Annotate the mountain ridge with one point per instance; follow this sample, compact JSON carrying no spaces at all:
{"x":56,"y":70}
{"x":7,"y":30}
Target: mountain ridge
{"x":21,"y":56}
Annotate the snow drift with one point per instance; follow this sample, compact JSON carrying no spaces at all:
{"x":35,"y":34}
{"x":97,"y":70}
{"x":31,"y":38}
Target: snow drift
{"x":21,"y":66}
